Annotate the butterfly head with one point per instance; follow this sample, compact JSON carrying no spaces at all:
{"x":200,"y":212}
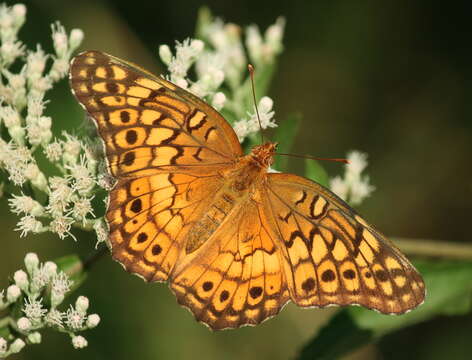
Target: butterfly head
{"x":264,"y":154}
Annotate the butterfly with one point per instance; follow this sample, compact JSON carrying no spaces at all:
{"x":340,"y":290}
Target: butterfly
{"x":234,"y":241}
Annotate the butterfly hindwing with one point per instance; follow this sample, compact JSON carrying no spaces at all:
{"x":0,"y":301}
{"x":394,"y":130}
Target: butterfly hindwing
{"x":332,"y":255}
{"x":236,"y":278}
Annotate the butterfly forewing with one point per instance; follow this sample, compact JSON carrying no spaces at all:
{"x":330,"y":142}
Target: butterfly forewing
{"x":164,"y":146}
{"x":146,"y":122}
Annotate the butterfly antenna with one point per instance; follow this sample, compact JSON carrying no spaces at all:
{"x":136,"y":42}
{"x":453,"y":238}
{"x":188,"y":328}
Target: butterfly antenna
{"x":345,"y":161}
{"x":251,"y":75}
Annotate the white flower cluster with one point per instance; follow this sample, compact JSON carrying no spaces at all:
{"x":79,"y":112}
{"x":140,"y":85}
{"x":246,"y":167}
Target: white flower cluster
{"x":29,"y":288}
{"x":22,"y":106}
{"x":249,"y":126}
{"x":353,"y":187}
{"x":219,"y":59}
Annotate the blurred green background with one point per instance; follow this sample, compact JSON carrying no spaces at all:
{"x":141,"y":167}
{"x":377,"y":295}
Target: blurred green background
{"x":391,"y":78}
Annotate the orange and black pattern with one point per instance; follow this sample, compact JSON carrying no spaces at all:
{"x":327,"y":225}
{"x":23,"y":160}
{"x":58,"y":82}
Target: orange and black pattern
{"x":234,"y":241}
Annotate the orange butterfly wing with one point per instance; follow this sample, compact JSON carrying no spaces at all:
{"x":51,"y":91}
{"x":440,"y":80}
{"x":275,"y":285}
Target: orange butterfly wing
{"x":164,"y":146}
{"x":332,"y":256}
{"x":234,"y":251}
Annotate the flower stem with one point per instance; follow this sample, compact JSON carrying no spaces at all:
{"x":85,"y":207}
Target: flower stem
{"x":94,"y":257}
{"x":434,"y":248}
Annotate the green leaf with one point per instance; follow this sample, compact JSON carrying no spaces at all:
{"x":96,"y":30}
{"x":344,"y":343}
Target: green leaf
{"x":285,"y":137}
{"x":449,"y":292}
{"x":339,"y":336}
{"x":315,"y":172}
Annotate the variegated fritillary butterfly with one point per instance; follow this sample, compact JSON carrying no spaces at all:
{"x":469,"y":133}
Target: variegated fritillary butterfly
{"x":235,"y":242}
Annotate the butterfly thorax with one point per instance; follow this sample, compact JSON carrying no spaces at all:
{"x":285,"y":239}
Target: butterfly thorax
{"x":264,"y":154}
{"x":240,"y":183}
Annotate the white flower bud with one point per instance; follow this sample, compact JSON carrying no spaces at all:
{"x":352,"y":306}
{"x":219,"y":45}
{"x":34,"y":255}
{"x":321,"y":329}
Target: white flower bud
{"x":218,"y":100}
{"x":75,"y":38}
{"x":197,"y":45}
{"x":266,"y":104}
{"x":50,"y":268}
{"x":24,"y":324}
{"x":13,"y":293}
{"x":31,"y":262}
{"x":182,"y":83}
{"x":19,"y":10}
{"x":60,"y":40}
{"x":16,"y":346}
{"x":21,"y":279}
{"x":93,"y":320}
{"x":165,"y":54}
{"x":82,"y":304}
{"x":79,"y":342}
{"x":35,"y":338}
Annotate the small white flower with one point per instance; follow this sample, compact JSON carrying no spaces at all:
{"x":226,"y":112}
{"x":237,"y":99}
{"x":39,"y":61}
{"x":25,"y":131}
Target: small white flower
{"x":71,"y":147}
{"x":59,"y":68}
{"x":80,"y":174}
{"x":60,"y":286}
{"x":35,"y":65}
{"x":105,"y":181}
{"x":54,"y":318}
{"x":35,"y":108}
{"x":34,"y":310}
{"x":13,"y":293}
{"x":10,"y":117}
{"x":59,"y":37}
{"x":93,"y":320}
{"x":25,"y":204}
{"x":35,"y":338}
{"x":21,"y":279}
{"x":61,"y":225}
{"x":60,"y":194}
{"x":29,"y":224}
{"x":186,"y":53}
{"x":354,"y":187}
{"x":101,"y":231}
{"x":42,"y":276}
{"x":339,"y":187}
{"x":53,"y":151}
{"x":24,"y":324}
{"x":10,"y":51}
{"x":74,"y":319}
{"x":244,"y":127}
{"x":79,"y":342}
{"x":17,"y":346}
{"x":361,"y":190}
